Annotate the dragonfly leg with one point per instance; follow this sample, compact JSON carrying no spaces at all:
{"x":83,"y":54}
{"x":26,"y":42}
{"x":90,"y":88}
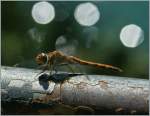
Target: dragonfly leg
{"x":81,"y":70}
{"x":51,"y":69}
{"x":70,"y":68}
{"x":43,"y":67}
{"x":55,"y":69}
{"x":68,"y":65}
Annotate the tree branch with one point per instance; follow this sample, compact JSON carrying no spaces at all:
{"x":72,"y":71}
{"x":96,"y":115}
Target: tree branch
{"x":79,"y":94}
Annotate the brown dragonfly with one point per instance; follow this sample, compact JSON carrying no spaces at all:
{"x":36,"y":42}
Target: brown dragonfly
{"x":57,"y":58}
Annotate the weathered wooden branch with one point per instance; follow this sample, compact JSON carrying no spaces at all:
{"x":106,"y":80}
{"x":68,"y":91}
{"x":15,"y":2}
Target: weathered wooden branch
{"x":80,"y":94}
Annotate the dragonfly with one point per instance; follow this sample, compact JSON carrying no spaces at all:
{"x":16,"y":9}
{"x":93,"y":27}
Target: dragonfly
{"x":58,"y":58}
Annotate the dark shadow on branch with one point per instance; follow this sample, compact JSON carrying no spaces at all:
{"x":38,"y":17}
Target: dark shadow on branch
{"x":57,"y":78}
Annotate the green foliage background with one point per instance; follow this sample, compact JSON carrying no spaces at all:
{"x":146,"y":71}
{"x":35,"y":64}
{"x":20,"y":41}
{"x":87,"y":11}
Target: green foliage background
{"x":19,"y":49}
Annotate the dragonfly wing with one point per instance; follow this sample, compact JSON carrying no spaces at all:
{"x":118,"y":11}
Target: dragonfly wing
{"x":65,"y":45}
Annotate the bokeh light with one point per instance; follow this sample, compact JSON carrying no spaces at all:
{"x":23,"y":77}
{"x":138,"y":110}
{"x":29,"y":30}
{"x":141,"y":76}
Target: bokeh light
{"x":43,"y":12}
{"x":36,"y":35}
{"x":90,"y":35}
{"x":68,"y":47}
{"x":131,"y":35}
{"x":86,"y":14}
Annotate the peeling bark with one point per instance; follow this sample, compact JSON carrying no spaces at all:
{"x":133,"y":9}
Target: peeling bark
{"x":73,"y":93}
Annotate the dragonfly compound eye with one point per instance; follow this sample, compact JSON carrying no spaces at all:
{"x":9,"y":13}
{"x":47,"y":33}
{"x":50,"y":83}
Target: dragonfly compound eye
{"x":41,"y":58}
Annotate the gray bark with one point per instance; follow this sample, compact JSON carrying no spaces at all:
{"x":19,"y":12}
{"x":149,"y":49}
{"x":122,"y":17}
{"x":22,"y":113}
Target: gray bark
{"x":94,"y":93}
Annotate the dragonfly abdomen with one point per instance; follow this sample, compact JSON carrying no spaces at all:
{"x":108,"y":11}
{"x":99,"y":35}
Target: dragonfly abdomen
{"x":97,"y":65}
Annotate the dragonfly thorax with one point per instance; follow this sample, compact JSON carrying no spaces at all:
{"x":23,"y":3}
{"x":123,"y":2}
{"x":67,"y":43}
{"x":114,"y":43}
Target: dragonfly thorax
{"x":42,"y":59}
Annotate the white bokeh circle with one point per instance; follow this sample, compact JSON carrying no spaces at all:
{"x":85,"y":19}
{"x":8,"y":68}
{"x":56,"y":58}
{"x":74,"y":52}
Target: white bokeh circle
{"x":86,"y":14}
{"x":131,"y":35}
{"x":43,"y":12}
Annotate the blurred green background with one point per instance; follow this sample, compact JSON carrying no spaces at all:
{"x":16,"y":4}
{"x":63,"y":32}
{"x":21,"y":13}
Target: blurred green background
{"x":23,"y":38}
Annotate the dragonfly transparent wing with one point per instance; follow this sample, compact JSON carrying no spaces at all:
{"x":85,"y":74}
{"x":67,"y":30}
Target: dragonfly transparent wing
{"x":66,"y":45}
{"x":69,"y":48}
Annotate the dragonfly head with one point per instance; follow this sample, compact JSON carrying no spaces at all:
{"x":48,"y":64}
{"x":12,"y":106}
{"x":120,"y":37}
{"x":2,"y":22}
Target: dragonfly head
{"x":42,"y":59}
